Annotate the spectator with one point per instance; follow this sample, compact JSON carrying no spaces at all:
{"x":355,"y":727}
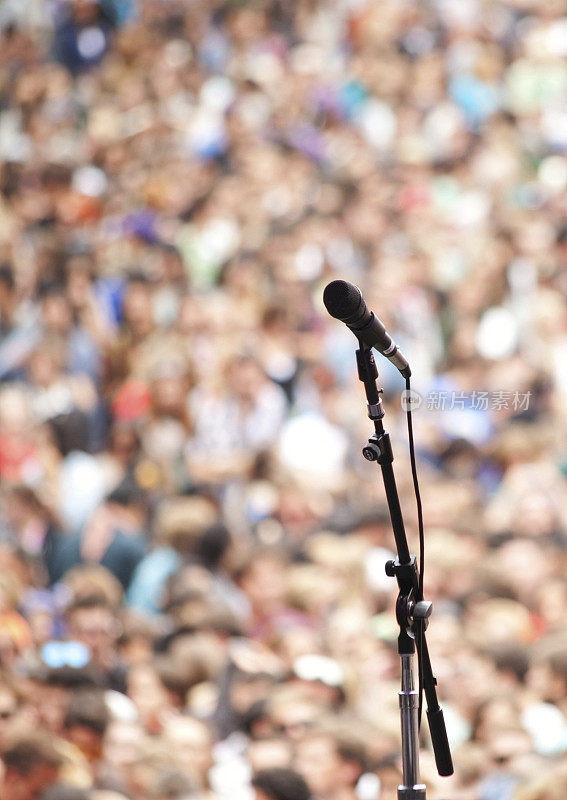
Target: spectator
{"x":85,"y":723}
{"x":279,"y":784}
{"x":112,"y":537}
{"x":331,"y":762}
{"x":31,"y":765}
{"x":93,"y":622}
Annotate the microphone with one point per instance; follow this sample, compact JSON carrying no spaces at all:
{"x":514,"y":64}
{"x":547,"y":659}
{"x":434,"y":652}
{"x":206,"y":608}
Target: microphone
{"x":344,"y":301}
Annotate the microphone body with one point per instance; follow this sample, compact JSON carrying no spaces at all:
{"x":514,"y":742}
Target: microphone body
{"x":344,"y":301}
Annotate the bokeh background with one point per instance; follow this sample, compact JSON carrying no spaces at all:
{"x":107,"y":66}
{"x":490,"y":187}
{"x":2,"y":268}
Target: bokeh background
{"x":192,"y":547}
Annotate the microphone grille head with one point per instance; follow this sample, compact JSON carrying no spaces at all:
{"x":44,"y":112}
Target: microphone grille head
{"x":341,"y":298}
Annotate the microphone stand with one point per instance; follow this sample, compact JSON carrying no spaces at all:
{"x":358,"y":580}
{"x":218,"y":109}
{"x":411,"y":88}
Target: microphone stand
{"x":412,"y":612}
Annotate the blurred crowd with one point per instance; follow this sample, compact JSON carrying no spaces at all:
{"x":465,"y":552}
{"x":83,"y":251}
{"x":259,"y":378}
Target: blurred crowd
{"x":193,"y":603}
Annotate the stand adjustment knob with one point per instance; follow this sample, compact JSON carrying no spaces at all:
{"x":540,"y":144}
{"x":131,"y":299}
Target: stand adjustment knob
{"x":371,"y":452}
{"x":390,"y":568}
{"x":422,"y":610}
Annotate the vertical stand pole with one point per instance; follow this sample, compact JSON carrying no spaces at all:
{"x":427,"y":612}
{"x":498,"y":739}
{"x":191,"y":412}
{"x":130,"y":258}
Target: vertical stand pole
{"x":411,"y":789}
